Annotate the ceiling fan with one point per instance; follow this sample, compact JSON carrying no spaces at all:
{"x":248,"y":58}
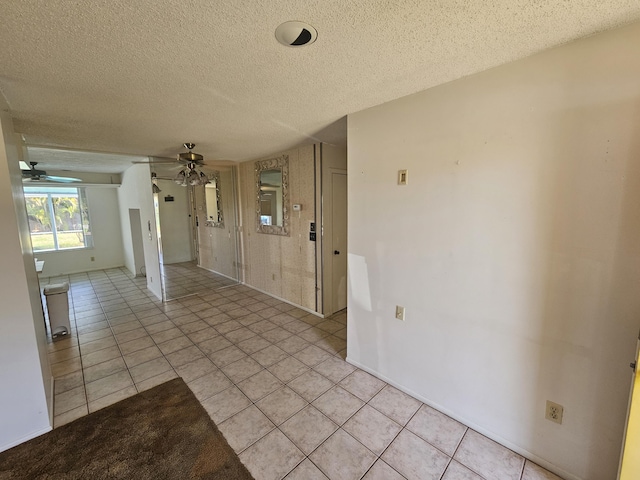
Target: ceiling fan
{"x":190,"y":163}
{"x":34,"y":175}
{"x":183,"y":158}
{"x":189,"y":175}
{"x":190,"y":157}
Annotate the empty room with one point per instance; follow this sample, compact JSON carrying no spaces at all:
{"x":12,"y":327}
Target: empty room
{"x":343,"y":240}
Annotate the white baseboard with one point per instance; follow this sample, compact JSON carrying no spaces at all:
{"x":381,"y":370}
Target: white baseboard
{"x":286,"y":301}
{"x":221,"y":274}
{"x":496,"y":438}
{"x":51,"y":403}
{"x":266,"y":293}
{"x":25,"y":439}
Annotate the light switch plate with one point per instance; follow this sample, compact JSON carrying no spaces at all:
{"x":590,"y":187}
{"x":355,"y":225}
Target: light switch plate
{"x":399,"y":312}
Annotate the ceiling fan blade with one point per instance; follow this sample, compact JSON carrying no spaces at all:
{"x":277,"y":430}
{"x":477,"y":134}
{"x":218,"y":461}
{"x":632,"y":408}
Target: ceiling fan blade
{"x":53,"y":178}
{"x":33,"y":173}
{"x":161,"y":162}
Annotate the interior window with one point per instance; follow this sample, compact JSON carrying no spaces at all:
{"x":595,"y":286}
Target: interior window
{"x":58,"y":218}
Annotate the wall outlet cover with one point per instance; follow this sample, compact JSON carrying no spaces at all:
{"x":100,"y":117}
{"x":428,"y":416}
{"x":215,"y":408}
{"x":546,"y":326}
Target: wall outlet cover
{"x":554,"y":412}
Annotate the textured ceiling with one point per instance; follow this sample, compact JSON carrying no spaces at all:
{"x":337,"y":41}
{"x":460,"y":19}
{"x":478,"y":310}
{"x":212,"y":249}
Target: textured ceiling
{"x":58,"y":158}
{"x":142,"y":77}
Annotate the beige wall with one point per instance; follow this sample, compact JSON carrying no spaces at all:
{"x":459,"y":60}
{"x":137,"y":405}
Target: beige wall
{"x":217,"y":245}
{"x":283,"y":266}
{"x":515,"y":248}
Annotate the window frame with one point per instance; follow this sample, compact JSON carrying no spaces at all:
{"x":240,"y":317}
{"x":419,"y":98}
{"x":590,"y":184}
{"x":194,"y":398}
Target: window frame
{"x":50,"y":192}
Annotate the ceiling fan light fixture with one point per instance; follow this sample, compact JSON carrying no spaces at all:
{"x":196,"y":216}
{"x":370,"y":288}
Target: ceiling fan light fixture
{"x":191,"y":175}
{"x":181,"y":178}
{"x":193,"y":178}
{"x":296,"y":34}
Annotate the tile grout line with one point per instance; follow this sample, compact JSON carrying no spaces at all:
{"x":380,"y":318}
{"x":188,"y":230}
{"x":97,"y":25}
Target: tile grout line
{"x":96,"y":290}
{"x":254,"y":403}
{"x":124,"y":295}
{"x":84,"y":384}
{"x":116,"y":342}
{"x":110,"y":326}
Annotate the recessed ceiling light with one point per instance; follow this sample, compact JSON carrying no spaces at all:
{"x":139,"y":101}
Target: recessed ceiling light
{"x":296,"y":34}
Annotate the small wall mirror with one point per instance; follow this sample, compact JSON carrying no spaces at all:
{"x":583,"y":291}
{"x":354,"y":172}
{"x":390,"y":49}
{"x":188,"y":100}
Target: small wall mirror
{"x":272,"y":195}
{"x":213,"y":201}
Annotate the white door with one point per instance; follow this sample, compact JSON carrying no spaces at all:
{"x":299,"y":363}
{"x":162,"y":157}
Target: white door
{"x":338,"y":241}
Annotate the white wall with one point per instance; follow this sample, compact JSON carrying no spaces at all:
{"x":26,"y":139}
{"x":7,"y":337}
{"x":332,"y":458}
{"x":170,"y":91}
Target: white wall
{"x":515,"y":248}
{"x":135,"y":193}
{"x":107,"y":251}
{"x":175,"y":223}
{"x":25,"y":396}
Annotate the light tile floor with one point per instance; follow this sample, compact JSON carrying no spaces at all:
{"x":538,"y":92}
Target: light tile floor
{"x":273,"y":379}
{"x":186,"y":278}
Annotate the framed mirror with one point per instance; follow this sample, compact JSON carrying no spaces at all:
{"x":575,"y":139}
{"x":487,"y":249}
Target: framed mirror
{"x":272,"y":195}
{"x":213,"y":201}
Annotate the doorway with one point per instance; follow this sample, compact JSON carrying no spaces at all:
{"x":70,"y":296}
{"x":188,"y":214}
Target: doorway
{"x":137,"y":242}
{"x":196,"y":255}
{"x":175,"y":245}
{"x":335,"y":240}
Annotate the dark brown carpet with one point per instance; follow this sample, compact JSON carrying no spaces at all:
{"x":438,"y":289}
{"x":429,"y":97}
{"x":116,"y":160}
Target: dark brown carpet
{"x":162,"y":433}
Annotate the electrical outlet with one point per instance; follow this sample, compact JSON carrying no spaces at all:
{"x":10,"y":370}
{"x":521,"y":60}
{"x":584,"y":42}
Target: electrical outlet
{"x":399,"y":312}
{"x":554,"y":412}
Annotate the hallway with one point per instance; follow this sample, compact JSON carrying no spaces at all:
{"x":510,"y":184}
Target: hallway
{"x":271,"y":376}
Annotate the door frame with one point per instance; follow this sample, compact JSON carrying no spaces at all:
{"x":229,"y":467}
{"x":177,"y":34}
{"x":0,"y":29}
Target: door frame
{"x":629,"y":467}
{"x":327,"y":233}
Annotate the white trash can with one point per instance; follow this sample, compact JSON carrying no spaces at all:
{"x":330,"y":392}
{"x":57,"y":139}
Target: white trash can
{"x":58,"y":308}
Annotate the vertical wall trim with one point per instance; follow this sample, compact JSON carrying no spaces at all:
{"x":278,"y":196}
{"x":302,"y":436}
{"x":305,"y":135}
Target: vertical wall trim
{"x":235,"y":170}
{"x":315,"y":214}
{"x":320,"y":235}
{"x":193,"y":222}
